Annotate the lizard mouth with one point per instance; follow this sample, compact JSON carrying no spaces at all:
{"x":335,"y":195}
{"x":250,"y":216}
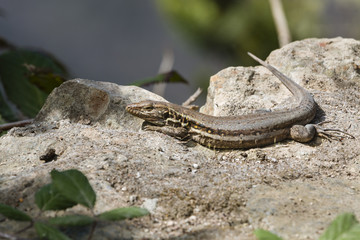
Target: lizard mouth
{"x":155,"y":121}
{"x":136,"y":112}
{"x":148,"y":118}
{"x":132,"y":110}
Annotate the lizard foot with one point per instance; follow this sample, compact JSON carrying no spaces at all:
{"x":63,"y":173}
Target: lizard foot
{"x":306,"y":133}
{"x":331,"y":133}
{"x":177,"y":132}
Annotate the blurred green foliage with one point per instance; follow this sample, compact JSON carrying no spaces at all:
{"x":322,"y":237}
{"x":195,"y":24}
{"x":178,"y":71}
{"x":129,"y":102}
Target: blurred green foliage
{"x":234,"y":27}
{"x":168,"y":77}
{"x":27,"y":77}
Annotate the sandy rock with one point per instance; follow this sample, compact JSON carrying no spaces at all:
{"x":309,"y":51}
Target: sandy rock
{"x":290,"y":188}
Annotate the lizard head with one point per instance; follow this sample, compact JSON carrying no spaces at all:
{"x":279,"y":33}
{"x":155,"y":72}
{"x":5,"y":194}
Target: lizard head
{"x":151,"y":111}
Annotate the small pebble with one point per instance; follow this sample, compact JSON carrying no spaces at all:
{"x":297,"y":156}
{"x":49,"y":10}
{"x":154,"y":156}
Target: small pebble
{"x":133,"y":198}
{"x":170,"y":223}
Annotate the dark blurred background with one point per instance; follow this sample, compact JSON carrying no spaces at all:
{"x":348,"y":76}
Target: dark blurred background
{"x":124,"y":41}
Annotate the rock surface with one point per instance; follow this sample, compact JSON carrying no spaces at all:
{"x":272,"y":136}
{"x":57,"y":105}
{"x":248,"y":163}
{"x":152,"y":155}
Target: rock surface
{"x":291,"y":189}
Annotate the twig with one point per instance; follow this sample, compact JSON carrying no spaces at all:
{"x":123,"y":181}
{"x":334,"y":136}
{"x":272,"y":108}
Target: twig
{"x":280,"y":22}
{"x":7,"y":126}
{"x":167,"y":63}
{"x":192,"y":98}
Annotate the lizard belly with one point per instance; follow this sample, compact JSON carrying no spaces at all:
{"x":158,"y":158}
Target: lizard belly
{"x":239,"y":141}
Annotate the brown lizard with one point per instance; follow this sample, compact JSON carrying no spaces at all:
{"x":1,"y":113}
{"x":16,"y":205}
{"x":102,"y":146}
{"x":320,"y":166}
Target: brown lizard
{"x":245,"y":131}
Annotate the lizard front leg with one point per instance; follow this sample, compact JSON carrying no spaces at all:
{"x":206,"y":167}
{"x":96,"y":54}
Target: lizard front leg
{"x":177,"y":132}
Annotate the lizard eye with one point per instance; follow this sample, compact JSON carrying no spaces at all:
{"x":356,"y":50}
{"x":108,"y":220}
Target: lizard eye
{"x":148,"y":107}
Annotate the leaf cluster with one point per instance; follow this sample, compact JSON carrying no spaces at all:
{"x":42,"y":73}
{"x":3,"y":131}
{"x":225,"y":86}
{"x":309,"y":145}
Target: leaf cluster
{"x":26,"y":78}
{"x":67,"y":189}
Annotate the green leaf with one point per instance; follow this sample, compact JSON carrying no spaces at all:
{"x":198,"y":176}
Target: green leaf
{"x":74,"y":186}
{"x":48,"y":198}
{"x":352,"y":234}
{"x":14,"y":214}
{"x":43,"y":78}
{"x":28,"y":97}
{"x":123,"y":213}
{"x":2,"y":121}
{"x":266,"y":235}
{"x":6,"y":112}
{"x":169,"y":77}
{"x":71,"y":220}
{"x":340,"y":226}
{"x":4,"y":44}
{"x":48,"y":232}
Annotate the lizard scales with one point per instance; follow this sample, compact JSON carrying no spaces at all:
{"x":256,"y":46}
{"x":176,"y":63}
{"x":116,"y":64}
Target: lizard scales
{"x":231,"y":132}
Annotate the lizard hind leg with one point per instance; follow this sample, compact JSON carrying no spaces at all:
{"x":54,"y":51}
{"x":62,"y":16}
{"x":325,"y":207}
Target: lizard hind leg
{"x":306,"y":133}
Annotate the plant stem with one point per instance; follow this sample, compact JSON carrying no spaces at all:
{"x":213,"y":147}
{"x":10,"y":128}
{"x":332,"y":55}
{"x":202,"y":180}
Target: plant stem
{"x":280,"y":22}
{"x":26,"y":228}
{"x":92,"y":230}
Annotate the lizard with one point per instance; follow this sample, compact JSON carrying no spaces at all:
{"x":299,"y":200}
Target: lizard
{"x":235,"y":132}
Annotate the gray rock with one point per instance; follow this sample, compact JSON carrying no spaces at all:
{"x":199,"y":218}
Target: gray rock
{"x":290,"y":188}
{"x":317,"y":64}
{"x":91,"y":102}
